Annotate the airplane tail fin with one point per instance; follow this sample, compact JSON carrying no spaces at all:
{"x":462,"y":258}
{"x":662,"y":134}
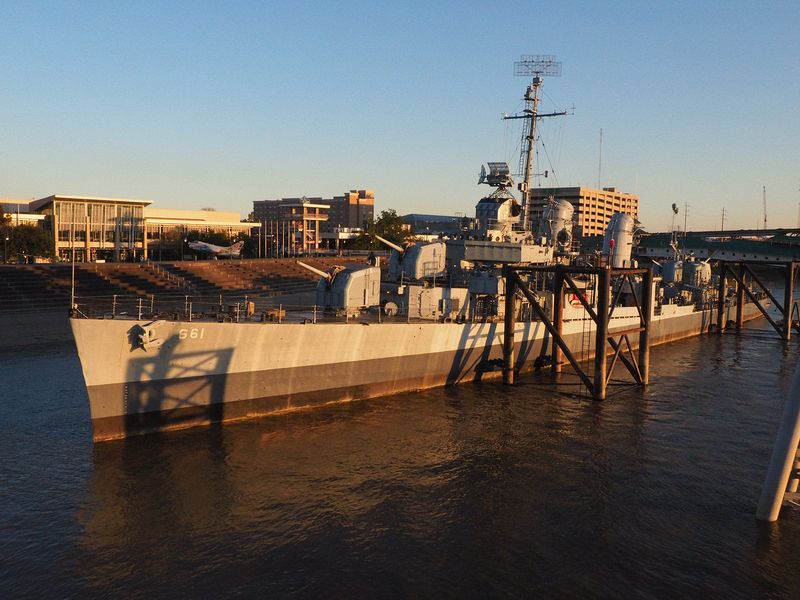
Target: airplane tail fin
{"x":236,"y":248}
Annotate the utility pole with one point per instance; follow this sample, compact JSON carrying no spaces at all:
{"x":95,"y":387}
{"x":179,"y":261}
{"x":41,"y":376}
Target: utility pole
{"x":685,"y":216}
{"x":765,"y":208}
{"x":722,"y":227}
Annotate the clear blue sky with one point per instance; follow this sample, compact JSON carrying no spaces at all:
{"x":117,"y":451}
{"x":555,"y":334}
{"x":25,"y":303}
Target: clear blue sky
{"x":194,"y":104}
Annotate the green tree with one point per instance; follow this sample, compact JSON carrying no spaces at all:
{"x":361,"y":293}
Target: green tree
{"x":26,"y":241}
{"x":388,"y":225}
{"x":250,"y":249}
{"x":210,"y":237}
{"x":5,"y":232}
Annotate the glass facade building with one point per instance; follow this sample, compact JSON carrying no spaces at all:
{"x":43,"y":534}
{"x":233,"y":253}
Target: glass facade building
{"x":88,"y":229}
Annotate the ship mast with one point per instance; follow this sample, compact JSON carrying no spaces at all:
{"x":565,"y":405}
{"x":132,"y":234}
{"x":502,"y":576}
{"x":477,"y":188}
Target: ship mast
{"x":535,"y":66}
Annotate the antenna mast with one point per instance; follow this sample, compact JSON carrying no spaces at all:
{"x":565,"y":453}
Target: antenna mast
{"x":685,"y":216}
{"x":535,"y":66}
{"x":765,"y":208}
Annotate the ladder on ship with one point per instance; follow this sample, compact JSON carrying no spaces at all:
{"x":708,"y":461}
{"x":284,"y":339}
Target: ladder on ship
{"x":783,"y":475}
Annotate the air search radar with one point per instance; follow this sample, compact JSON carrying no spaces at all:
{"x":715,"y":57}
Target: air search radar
{"x":498,"y":175}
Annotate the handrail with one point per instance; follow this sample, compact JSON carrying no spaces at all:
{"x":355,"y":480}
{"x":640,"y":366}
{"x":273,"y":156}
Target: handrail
{"x":237,"y":308}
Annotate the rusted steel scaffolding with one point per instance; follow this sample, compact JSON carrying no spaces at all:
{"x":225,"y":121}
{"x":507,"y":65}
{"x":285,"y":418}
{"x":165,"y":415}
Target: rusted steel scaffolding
{"x":607,"y":300}
{"x":741,"y":272}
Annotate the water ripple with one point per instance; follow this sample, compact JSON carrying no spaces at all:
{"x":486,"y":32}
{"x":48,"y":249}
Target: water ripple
{"x":477,"y":491}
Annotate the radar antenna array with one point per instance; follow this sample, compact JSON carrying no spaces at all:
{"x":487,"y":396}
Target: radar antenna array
{"x":537,"y":64}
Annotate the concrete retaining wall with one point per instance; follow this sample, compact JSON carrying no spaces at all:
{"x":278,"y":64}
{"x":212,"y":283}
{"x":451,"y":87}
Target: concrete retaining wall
{"x":34,"y":328}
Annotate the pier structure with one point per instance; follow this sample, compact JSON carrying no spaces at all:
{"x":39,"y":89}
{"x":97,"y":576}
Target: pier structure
{"x":783,"y":474}
{"x":742,"y":273}
{"x":608,"y":285}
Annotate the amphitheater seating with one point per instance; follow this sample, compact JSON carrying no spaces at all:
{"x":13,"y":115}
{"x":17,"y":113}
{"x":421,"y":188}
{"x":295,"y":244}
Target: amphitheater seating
{"x":268,"y":276}
{"x":44,"y":285}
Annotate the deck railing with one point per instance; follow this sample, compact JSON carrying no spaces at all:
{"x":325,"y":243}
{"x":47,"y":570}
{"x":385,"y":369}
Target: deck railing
{"x":236,"y":308}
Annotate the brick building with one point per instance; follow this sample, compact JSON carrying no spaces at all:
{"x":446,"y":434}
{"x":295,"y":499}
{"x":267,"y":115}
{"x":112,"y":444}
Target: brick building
{"x":351,"y":210}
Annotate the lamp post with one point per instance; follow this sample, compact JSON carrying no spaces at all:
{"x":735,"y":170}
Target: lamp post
{"x":182,"y":246}
{"x":5,"y":250}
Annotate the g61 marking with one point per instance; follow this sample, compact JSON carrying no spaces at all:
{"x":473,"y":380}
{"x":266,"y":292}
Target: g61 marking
{"x":195,"y":333}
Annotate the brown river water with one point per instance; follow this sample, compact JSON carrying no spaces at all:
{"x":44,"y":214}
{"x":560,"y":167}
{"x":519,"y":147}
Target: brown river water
{"x":476,"y":491}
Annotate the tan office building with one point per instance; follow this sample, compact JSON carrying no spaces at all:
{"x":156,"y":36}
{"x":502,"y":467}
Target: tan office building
{"x":593,"y":207}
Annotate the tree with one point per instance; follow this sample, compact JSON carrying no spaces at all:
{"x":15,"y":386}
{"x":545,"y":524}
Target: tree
{"x":388,"y":225}
{"x":210,"y":237}
{"x":250,"y":248}
{"x":27,"y":241}
{"x":5,"y":232}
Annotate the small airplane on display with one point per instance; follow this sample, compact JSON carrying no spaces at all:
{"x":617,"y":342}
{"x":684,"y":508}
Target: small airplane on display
{"x":232,"y":251}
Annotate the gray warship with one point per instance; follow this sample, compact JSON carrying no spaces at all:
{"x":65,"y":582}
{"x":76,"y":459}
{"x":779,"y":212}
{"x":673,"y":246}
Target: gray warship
{"x":436,"y":319}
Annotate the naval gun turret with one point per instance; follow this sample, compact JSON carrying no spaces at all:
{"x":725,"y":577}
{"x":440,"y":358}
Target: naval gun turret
{"x":416,"y":261}
{"x":348,"y":289}
{"x":555,"y":225}
{"x":618,"y":240}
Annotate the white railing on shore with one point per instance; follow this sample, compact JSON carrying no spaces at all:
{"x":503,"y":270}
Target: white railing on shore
{"x":171,"y":278}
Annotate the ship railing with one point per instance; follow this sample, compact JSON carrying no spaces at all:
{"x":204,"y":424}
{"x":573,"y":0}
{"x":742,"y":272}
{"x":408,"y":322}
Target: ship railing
{"x":246,"y":308}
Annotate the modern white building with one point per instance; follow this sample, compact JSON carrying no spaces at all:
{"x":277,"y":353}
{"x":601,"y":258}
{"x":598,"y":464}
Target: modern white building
{"x":88,"y":228}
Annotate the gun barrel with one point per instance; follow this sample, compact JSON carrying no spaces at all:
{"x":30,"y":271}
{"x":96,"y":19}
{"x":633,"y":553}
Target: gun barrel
{"x":390,"y":244}
{"x":322,"y":274}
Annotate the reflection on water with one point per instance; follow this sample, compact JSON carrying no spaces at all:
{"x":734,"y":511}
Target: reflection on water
{"x":470,"y":491}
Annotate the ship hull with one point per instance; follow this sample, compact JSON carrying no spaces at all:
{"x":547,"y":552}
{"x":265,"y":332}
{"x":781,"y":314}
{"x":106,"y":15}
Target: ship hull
{"x":207,"y":373}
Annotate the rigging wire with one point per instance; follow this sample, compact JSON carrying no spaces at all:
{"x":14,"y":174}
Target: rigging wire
{"x":558,"y":137}
{"x":511,"y":145}
{"x":555,"y":132}
{"x":546,"y":95}
{"x":562,"y":123}
{"x":552,"y":170}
